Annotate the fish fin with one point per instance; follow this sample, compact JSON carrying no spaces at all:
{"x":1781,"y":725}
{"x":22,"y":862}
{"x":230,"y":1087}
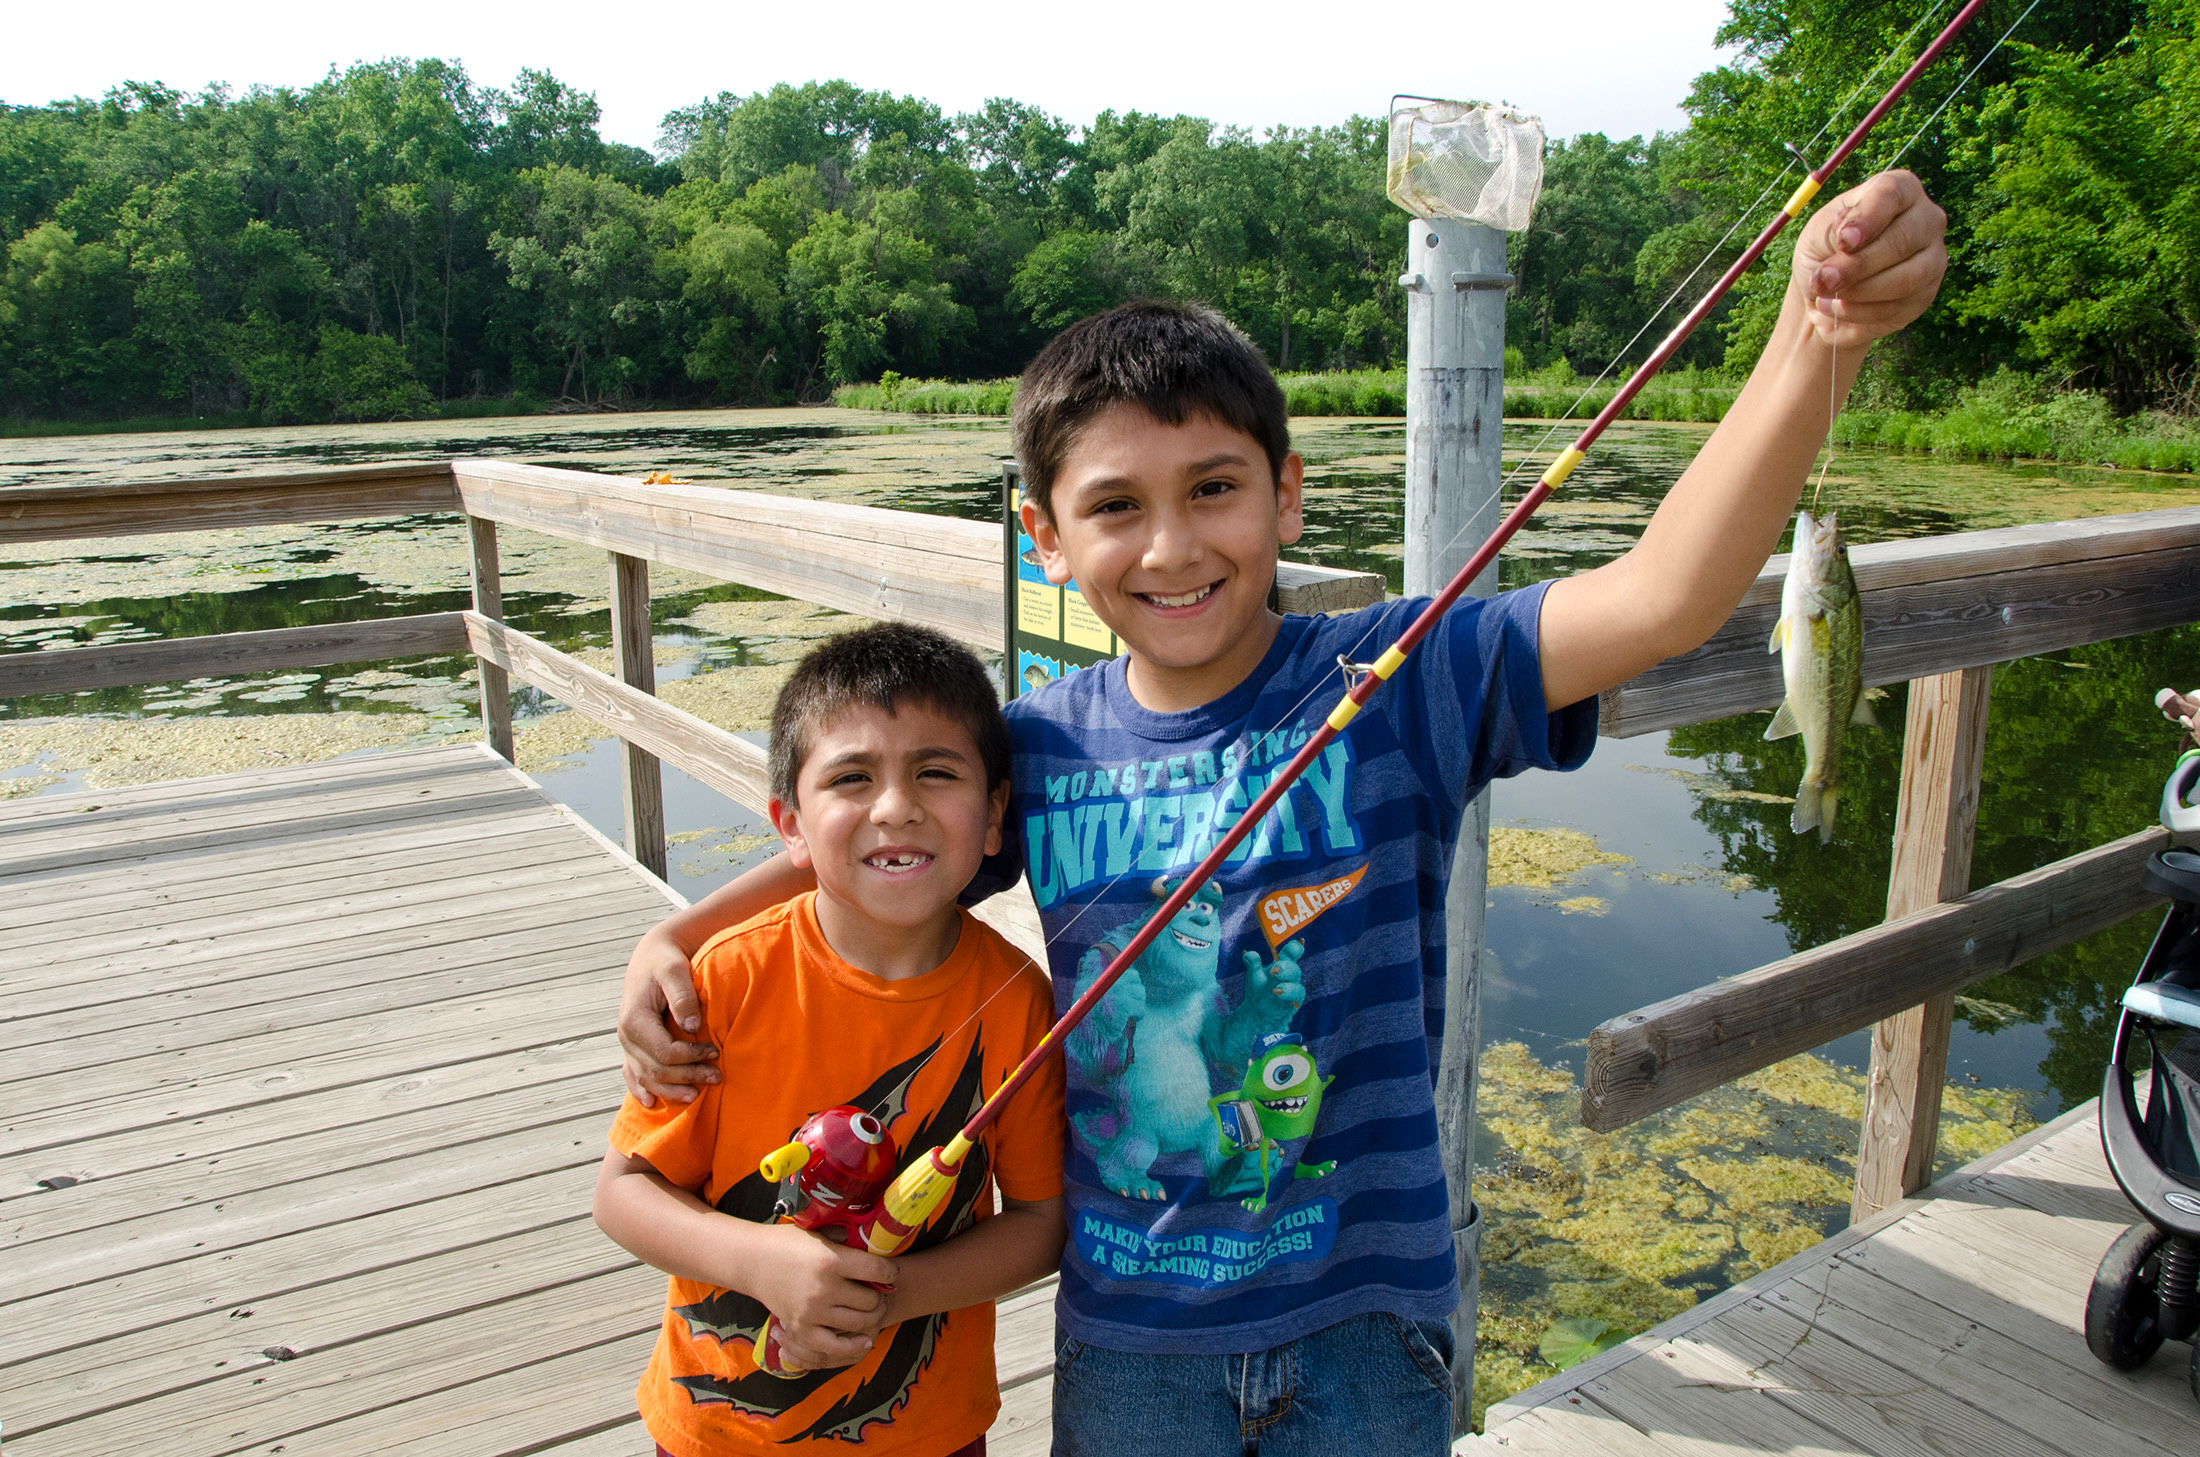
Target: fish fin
{"x":1829,"y":800}
{"x":1863,"y":713}
{"x":1808,"y":798}
{"x":1784,"y":724}
{"x":1779,"y":636}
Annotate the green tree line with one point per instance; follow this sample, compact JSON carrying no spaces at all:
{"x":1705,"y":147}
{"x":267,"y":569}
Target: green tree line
{"x":395,"y":238}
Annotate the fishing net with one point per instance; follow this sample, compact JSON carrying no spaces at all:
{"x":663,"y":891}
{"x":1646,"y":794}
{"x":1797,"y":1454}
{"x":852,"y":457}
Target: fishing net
{"x":1455,"y":159}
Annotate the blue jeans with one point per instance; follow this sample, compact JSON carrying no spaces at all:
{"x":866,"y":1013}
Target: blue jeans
{"x":1374,"y":1383}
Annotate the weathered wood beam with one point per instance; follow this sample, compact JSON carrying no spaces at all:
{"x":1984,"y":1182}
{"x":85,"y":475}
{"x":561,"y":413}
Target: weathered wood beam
{"x":1943,"y":603}
{"x":1305,"y":587}
{"x":726,"y":762}
{"x":890,"y":564}
{"x":138,"y":508}
{"x":1943,"y":755}
{"x":496,"y":684}
{"x":1671,"y":1050}
{"x":79,"y":670}
{"x":897,"y":565}
{"x":641,"y":778}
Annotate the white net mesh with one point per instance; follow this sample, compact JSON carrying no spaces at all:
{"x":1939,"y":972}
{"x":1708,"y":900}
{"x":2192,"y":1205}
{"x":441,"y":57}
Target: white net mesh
{"x":1455,"y":159}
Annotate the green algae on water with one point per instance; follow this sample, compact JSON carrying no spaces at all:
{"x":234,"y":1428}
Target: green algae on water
{"x":1630,"y":1228}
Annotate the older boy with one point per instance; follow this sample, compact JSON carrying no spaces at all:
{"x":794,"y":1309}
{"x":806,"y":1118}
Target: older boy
{"x":1260,"y":1253}
{"x":889,"y":773}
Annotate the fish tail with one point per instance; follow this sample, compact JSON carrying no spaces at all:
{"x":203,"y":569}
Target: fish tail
{"x":1813,"y":809}
{"x":1829,"y":800}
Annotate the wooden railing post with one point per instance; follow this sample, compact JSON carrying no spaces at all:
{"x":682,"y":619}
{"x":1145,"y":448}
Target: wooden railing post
{"x":642,"y":780}
{"x":1943,"y":754}
{"x":496,"y":684}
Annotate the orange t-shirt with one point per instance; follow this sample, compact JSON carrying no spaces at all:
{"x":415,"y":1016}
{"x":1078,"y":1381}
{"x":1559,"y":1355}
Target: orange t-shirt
{"x":799,"y":1030}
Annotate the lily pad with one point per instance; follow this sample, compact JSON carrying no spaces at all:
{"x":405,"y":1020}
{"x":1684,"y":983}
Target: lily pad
{"x":1572,"y":1341}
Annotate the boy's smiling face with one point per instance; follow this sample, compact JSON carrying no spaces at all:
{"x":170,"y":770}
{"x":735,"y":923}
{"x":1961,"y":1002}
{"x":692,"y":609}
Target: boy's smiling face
{"x":893,"y":813}
{"x":1171,"y":532}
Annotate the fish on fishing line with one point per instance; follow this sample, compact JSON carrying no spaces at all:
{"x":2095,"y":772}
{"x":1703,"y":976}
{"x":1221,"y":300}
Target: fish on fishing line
{"x":1820,"y":639}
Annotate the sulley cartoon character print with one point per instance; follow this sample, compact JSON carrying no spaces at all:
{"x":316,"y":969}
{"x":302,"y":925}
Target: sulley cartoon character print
{"x":1162,"y":1037}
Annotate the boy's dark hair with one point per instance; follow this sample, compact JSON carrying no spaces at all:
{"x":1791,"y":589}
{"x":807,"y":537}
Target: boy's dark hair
{"x":1172,"y":360}
{"x":887,"y":665}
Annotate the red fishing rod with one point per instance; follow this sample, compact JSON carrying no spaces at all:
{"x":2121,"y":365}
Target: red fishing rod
{"x":921,"y":1188}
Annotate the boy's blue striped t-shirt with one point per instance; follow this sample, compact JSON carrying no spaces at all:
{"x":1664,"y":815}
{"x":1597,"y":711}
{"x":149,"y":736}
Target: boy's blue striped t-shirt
{"x":1252,"y":1151}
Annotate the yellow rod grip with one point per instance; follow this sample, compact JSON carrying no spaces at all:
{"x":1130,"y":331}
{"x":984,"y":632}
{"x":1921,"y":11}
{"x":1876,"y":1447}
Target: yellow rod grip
{"x":1802,"y":197}
{"x":1345,"y":711}
{"x":1555,"y":474}
{"x":1390,"y":662}
{"x":786,"y":1159}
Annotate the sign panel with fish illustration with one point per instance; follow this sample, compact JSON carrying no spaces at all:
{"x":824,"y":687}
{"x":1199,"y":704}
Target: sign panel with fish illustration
{"x":1050,"y":630}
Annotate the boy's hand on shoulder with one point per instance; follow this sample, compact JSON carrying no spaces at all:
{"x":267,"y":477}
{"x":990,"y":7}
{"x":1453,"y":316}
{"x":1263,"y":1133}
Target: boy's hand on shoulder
{"x":1871,"y":260}
{"x":822,"y":1296}
{"x":658,"y":993}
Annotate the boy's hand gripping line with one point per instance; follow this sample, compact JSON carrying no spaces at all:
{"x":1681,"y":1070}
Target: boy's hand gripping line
{"x":917,"y":1194}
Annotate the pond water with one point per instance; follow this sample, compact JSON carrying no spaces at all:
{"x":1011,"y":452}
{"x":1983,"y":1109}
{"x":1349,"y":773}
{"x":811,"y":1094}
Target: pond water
{"x":1701,"y":879}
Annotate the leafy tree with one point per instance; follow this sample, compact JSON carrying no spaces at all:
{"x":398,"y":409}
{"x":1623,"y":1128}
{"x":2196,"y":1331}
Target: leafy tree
{"x":65,"y":315}
{"x":1803,"y":73}
{"x":2093,"y":252}
{"x":579,"y":244}
{"x":1066,"y":277}
{"x":1589,"y":278}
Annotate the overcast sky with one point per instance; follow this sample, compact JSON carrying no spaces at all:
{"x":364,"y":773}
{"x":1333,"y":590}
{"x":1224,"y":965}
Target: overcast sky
{"x":1582,"y":65}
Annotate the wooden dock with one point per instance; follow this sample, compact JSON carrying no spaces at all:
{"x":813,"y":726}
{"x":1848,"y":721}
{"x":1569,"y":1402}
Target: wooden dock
{"x":1951,"y":1324}
{"x":304,"y":1077}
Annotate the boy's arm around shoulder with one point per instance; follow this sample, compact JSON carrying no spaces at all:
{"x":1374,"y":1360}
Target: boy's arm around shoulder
{"x":1866,"y":264}
{"x":658,"y":1009}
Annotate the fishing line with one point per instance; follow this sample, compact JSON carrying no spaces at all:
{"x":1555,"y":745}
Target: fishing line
{"x":1982,"y":60}
{"x":918,"y":1192}
{"x":1833,"y":403}
{"x":1483,"y":512}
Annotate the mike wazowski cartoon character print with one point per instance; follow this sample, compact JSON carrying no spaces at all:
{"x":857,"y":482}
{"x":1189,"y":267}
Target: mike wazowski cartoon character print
{"x":1276,"y":1105}
{"x":1164,"y":1036}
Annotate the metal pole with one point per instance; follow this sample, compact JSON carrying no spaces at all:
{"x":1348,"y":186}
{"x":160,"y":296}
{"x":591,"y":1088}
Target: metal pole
{"x":1455,"y":283}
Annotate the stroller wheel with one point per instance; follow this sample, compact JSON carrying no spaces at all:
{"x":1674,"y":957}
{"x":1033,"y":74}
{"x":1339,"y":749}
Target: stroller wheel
{"x":2121,"y":1325}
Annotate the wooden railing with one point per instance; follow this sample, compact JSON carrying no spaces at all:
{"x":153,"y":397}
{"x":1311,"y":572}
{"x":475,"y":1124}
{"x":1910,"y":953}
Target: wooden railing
{"x":901,"y":565}
{"x":1938,"y":612}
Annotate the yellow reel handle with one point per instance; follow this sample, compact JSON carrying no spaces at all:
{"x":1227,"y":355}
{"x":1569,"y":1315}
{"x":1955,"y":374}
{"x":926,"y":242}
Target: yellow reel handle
{"x":788,"y":1158}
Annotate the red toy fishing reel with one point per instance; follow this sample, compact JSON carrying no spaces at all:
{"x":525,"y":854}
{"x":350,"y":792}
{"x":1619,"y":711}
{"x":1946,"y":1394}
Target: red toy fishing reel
{"x":841,"y":1161}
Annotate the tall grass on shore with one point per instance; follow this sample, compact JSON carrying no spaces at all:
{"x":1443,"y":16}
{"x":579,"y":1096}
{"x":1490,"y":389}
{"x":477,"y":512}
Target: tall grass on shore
{"x":2012,"y":416}
{"x":1543,"y":394}
{"x":491,"y":408}
{"x":929,"y":396}
{"x":2007,"y":417}
{"x":1547,"y":393}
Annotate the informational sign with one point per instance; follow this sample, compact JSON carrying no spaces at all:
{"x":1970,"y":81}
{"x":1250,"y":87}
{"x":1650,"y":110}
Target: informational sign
{"x":1050,"y":629}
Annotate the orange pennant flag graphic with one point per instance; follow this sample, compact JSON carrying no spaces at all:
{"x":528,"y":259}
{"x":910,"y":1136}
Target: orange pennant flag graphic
{"x":1287,"y":912}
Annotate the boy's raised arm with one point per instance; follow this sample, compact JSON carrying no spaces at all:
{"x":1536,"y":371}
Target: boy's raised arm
{"x":1866,"y":264}
{"x":658,"y":992}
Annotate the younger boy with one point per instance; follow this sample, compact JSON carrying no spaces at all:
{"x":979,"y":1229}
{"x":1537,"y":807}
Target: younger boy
{"x":1260,"y":1253}
{"x":889,"y":768}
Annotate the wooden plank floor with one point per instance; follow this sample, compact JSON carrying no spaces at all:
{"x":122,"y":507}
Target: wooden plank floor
{"x":1953,"y":1323}
{"x":304,"y":1076}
